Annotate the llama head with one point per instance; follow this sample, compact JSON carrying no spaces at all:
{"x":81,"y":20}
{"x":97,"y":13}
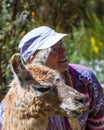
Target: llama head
{"x":47,"y":89}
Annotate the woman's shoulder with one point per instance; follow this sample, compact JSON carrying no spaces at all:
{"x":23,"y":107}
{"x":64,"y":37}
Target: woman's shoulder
{"x":80,"y":71}
{"x":78,"y":67}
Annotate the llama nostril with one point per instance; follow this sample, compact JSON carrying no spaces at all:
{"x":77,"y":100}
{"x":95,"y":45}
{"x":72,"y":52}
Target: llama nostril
{"x":81,"y":99}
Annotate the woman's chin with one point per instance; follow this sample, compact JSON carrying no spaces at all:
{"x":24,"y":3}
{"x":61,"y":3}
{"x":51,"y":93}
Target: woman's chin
{"x":63,"y":68}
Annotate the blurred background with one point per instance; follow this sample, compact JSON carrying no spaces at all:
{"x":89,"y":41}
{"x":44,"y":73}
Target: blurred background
{"x":83,"y":20}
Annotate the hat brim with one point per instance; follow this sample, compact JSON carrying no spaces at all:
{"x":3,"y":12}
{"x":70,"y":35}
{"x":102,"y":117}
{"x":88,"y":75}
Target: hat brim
{"x":52,"y":41}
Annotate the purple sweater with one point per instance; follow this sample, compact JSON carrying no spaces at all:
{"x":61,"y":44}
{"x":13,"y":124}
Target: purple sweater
{"x":85,"y":82}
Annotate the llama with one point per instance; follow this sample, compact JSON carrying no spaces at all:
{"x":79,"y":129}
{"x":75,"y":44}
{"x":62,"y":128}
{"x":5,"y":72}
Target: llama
{"x":36,"y":93}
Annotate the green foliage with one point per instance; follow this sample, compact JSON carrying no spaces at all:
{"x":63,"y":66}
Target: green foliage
{"x":87,"y":47}
{"x":86,"y":41}
{"x":11,"y":28}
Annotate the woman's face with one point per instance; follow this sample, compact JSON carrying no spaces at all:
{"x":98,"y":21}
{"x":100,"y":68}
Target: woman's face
{"x":57,"y":57}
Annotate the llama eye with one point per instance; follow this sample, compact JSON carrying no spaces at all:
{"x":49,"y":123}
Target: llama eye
{"x":43,"y":89}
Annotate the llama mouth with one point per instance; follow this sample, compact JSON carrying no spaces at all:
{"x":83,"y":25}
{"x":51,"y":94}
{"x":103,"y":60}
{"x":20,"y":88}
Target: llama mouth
{"x":77,"y":113}
{"x":74,"y":114}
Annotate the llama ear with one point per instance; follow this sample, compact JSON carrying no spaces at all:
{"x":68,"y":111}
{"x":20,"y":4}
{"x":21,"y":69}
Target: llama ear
{"x":15,"y":63}
{"x":19,"y":70}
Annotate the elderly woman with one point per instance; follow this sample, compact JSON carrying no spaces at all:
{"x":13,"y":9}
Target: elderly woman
{"x":77,"y":76}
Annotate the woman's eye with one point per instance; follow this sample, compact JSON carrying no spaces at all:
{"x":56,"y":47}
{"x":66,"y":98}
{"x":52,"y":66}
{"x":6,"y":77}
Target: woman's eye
{"x":55,"y":48}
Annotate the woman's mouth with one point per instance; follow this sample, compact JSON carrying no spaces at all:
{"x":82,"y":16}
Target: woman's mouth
{"x":64,"y":60}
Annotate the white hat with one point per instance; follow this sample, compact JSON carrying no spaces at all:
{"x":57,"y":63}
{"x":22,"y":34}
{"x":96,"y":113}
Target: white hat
{"x":39,"y":38}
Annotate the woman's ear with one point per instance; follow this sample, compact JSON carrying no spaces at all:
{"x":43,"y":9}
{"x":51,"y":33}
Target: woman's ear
{"x":31,"y":58}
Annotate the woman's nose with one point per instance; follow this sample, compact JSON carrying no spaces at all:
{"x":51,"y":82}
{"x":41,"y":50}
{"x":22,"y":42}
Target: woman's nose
{"x":62,"y":50}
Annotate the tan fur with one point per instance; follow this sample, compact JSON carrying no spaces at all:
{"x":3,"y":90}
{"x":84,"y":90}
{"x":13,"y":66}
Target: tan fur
{"x":22,"y":110}
{"x":27,"y":108}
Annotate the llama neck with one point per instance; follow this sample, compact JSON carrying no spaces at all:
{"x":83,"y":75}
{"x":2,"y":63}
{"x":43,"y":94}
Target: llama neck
{"x":26,"y":124}
{"x":23,"y":113}
{"x":67,"y":78}
{"x":41,"y":124}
